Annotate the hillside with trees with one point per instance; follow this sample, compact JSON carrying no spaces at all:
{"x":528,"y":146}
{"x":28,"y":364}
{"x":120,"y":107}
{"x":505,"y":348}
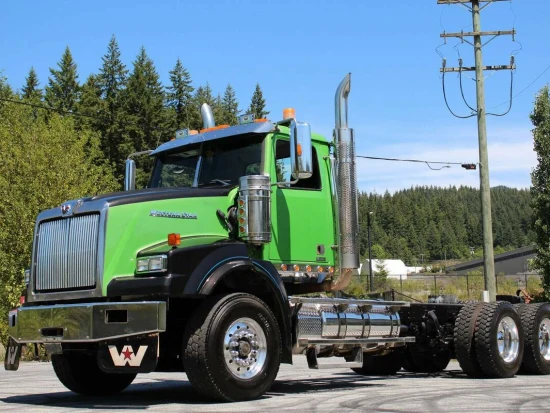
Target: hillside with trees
{"x":429,"y":223}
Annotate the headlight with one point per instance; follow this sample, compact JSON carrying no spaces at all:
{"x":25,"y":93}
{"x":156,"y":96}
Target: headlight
{"x":155,"y":263}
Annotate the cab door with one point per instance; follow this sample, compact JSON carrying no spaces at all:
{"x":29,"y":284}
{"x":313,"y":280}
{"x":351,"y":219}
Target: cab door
{"x":301,"y":213}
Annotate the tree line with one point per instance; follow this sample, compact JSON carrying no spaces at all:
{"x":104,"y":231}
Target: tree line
{"x":131,"y":109}
{"x":431,"y":223}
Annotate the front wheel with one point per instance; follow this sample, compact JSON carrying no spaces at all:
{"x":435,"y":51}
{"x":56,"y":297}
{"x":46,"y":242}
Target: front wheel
{"x":80,"y":373}
{"x":232,"y":348}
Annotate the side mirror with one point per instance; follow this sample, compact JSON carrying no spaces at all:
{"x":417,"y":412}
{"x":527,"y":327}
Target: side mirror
{"x":300,"y":150}
{"x":130,"y":175}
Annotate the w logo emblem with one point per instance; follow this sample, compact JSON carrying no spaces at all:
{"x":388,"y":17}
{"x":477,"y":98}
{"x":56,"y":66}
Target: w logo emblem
{"x":127,"y":356}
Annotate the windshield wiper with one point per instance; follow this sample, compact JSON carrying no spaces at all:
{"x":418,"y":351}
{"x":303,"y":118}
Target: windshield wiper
{"x":224,"y":182}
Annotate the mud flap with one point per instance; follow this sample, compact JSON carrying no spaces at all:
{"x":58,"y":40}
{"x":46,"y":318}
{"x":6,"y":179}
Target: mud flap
{"x":13,"y":354}
{"x":129,"y":355}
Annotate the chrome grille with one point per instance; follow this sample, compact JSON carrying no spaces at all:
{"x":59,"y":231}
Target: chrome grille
{"x":66,"y":254}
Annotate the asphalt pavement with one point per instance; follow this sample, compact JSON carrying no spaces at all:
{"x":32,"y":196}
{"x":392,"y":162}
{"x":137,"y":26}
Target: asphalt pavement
{"x":34,"y":388}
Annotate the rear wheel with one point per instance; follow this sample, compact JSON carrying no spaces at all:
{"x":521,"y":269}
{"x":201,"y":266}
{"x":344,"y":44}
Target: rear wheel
{"x":499,"y":340}
{"x":464,"y":331}
{"x":384,"y":365}
{"x":232,"y":348}
{"x":535,"y":319}
{"x":80,"y":373}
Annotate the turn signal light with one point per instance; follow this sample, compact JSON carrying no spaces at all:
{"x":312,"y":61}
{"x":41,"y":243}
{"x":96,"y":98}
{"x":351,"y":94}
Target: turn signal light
{"x":174,"y":239}
{"x":296,"y":268}
{"x":308,"y":268}
{"x":283,"y":267}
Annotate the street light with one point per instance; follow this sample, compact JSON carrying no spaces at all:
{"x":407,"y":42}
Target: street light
{"x":371,"y":279}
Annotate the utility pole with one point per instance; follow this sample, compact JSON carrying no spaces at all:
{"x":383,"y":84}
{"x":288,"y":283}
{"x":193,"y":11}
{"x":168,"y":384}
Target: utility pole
{"x":480,"y":112}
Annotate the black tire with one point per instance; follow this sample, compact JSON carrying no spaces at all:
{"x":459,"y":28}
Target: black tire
{"x":80,"y":373}
{"x":205,"y":353}
{"x":492,"y":363}
{"x":532,"y":315}
{"x":384,"y":365}
{"x":424,"y":362}
{"x":464,"y":332}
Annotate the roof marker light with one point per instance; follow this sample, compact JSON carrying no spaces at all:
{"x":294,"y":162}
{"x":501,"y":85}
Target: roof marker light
{"x":289,"y":113}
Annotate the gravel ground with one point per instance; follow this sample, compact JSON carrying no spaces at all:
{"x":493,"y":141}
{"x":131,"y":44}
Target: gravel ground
{"x":34,"y":388}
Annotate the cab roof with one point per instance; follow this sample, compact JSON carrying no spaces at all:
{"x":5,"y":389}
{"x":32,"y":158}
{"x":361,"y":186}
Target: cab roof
{"x":248,"y":128}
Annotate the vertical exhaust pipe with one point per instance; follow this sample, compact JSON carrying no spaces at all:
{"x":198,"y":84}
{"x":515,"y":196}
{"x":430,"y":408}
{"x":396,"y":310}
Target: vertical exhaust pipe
{"x":207,"y":116}
{"x":346,"y":188}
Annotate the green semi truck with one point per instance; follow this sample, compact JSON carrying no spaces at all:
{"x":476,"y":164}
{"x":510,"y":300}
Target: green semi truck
{"x":218,"y":269}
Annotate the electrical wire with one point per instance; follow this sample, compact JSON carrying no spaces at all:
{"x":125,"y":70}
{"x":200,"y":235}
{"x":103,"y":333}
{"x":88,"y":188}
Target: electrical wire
{"x":447,"y":103}
{"x":428,"y":163}
{"x":524,"y":89}
{"x":511,"y":97}
{"x":462,"y":89}
{"x":68,"y":112}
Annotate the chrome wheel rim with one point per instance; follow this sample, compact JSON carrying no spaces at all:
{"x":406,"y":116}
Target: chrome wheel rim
{"x":544,"y":338}
{"x":508,"y":339}
{"x":245,"y":348}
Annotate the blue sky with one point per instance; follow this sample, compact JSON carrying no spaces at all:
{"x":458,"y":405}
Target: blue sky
{"x":299,"y":50}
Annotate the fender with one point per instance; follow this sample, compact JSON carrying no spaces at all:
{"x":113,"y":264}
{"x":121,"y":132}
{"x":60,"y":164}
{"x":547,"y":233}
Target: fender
{"x":197,"y":271}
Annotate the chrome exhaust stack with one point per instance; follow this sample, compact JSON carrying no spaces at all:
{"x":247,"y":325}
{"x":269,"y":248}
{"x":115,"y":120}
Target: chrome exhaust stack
{"x":346,"y":188}
{"x":207,"y":116}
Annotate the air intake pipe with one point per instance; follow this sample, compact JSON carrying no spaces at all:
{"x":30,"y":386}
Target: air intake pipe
{"x":346,"y":189}
{"x":207,"y":116}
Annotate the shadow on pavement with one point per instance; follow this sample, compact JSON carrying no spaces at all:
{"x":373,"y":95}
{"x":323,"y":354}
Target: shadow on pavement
{"x":143,"y":395}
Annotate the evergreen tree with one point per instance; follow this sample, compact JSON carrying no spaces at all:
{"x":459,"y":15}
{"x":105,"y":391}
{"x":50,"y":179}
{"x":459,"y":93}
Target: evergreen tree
{"x":230,"y":106}
{"x":112,"y":80}
{"x":540,"y":189}
{"x":144,"y":103}
{"x":112,"y":75}
{"x":31,"y":91}
{"x":91,"y":105}
{"x":257,"y":104}
{"x":62,"y":91}
{"x":5,"y":90}
{"x":179,"y":96}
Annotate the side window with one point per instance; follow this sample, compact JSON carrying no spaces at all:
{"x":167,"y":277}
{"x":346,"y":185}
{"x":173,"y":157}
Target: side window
{"x":282,"y":166}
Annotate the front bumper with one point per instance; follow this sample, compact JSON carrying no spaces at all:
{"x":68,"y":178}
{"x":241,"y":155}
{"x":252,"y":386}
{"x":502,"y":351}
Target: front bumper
{"x":88,"y":322}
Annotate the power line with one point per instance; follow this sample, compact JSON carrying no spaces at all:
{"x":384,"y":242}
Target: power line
{"x":524,"y":89}
{"x":428,"y":163}
{"x":68,"y":112}
{"x":64,"y":112}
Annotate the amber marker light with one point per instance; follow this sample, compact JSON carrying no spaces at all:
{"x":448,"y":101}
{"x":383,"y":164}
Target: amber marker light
{"x":320,"y":269}
{"x":308,"y":268}
{"x":289,"y":113}
{"x":174,"y":240}
{"x":283,"y":267}
{"x":296,"y":268}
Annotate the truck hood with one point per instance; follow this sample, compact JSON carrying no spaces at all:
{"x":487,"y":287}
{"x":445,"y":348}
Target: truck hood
{"x":158,"y":194}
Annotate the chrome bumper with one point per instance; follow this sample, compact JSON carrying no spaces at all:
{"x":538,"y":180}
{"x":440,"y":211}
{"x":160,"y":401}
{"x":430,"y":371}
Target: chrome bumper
{"x":87,"y":322}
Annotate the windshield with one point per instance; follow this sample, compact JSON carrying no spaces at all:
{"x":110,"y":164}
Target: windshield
{"x":214,"y":163}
